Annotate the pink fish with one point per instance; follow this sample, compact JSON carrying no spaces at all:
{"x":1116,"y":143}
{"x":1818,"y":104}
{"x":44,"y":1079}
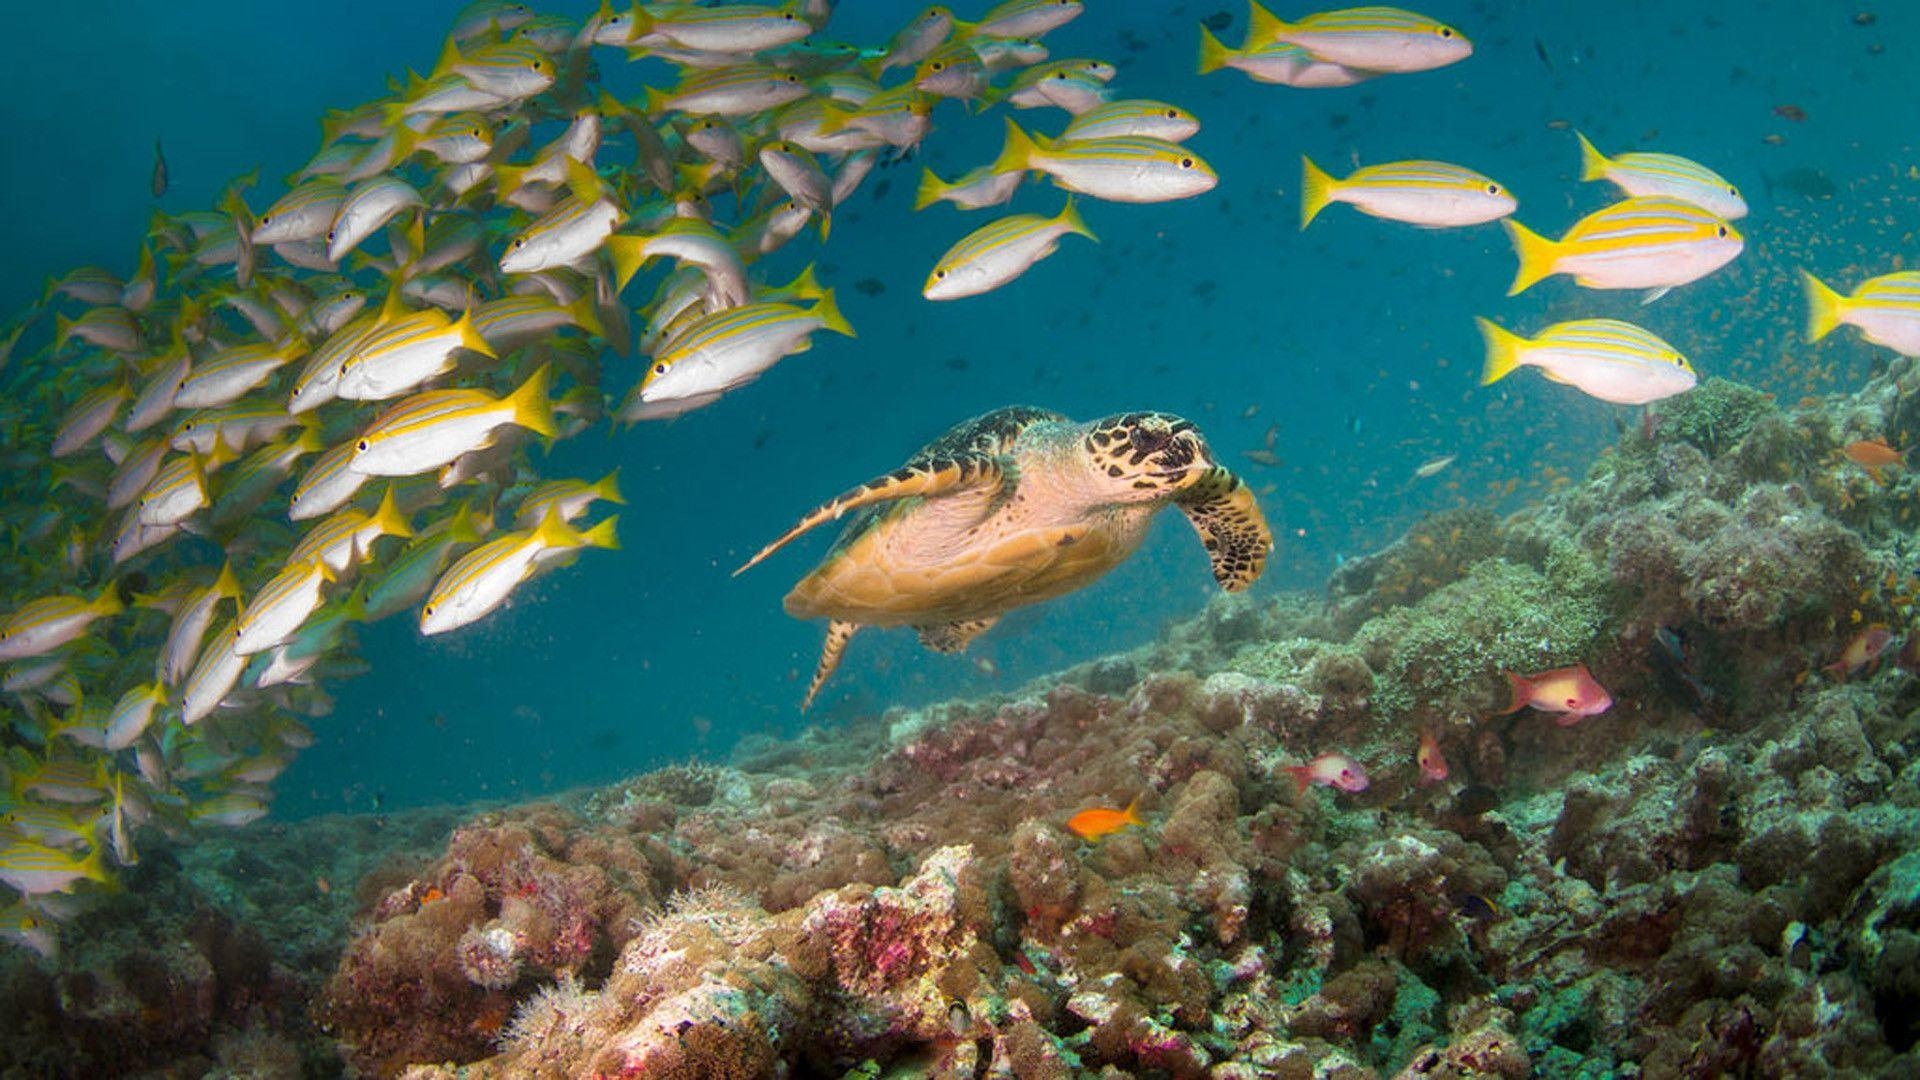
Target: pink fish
{"x":1862,"y":652}
{"x":1569,"y":691}
{"x":1433,"y":764}
{"x":1330,"y":770}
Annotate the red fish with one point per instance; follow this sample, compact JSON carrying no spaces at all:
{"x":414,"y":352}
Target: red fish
{"x":1862,"y":652}
{"x":1329,"y":770}
{"x":1101,"y":821}
{"x":1433,"y":764}
{"x":1570,"y":691}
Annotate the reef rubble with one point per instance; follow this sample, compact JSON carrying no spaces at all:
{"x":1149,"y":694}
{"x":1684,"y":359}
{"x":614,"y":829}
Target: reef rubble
{"x":1718,"y":876}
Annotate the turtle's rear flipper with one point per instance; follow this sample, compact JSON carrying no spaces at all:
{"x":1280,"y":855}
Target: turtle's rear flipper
{"x":838,"y":634}
{"x":954,"y":637}
{"x":925,"y":476}
{"x":1231,"y":527}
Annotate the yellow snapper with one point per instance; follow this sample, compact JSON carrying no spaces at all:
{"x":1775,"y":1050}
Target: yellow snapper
{"x":482,"y":579}
{"x":1429,"y":193}
{"x":1654,"y":242}
{"x":406,"y":351}
{"x":1644,"y":173}
{"x":738,"y":28}
{"x":1153,"y":119}
{"x":999,"y":252}
{"x":41,"y":626}
{"x":1373,"y":39}
{"x":1604,"y":358}
{"x":273,"y":614}
{"x":434,"y":428}
{"x":347,"y":537}
{"x":33,"y":869}
{"x":1886,"y":310}
{"x":976,"y":190}
{"x":1280,"y":63}
{"x":1131,"y":169}
{"x":731,"y":348}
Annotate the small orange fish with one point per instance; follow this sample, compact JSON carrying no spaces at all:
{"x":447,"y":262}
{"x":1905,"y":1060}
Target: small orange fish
{"x":1862,"y":652}
{"x":1104,"y":820}
{"x":1874,"y":455}
{"x":1433,"y":764}
{"x":1332,"y":770}
{"x":1570,"y":691}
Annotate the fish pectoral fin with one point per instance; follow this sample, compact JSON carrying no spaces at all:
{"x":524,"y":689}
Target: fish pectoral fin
{"x":1655,"y":295}
{"x":1231,"y":527}
{"x":926,"y":477}
{"x":955,"y":636}
{"x":839,"y":632}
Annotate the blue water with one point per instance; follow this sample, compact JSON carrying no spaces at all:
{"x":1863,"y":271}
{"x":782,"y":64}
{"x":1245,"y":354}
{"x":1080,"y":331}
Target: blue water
{"x":1355,"y":338}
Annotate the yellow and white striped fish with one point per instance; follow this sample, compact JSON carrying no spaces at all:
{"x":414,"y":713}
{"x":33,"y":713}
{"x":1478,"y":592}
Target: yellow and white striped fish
{"x":569,"y":232}
{"x":999,"y":252}
{"x":1130,"y":169}
{"x":435,"y":428}
{"x":272,"y":615}
{"x":566,"y":498}
{"x":1604,"y":358}
{"x":1654,"y":242}
{"x":976,"y":190}
{"x":347,"y":537}
{"x":1369,"y":38}
{"x":1886,"y":310}
{"x":482,"y":579}
{"x":1433,"y":194}
{"x":305,"y":213}
{"x":189,"y":627}
{"x":405,"y":352}
{"x":1646,"y":173}
{"x":40,"y":626}
{"x":739,"y":29}
{"x":370,"y":204}
{"x":1022,"y":18}
{"x":731,"y":348}
{"x":133,"y":714}
{"x":36,"y":869}
{"x":1153,"y":119}
{"x":178,"y":491}
{"x":89,"y":416}
{"x":327,"y":485}
{"x":226,"y":377}
{"x":740,"y":90}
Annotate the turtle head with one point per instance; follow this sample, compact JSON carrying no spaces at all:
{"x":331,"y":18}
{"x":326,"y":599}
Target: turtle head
{"x":1143,"y":456}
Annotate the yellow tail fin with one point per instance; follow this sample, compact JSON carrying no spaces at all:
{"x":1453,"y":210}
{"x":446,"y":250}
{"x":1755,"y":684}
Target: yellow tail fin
{"x":1824,"y":307}
{"x":1537,"y":255}
{"x":930,"y":190}
{"x":389,"y":519}
{"x":1263,"y":26}
{"x":1316,"y":190}
{"x":608,"y":488}
{"x":1503,"y":351}
{"x":1018,"y":154}
{"x":1071,"y":220}
{"x":532,"y":408}
{"x":1593,"y":163}
{"x":602,"y":535}
{"x":629,"y":255}
{"x":470,"y":338}
{"x":1213,"y":55}
{"x":828,"y":312}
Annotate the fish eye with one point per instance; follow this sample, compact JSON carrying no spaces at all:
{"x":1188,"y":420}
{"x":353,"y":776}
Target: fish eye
{"x":1722,"y":230}
{"x":1173,"y":114}
{"x":1446,"y":31}
{"x":361,"y":446}
{"x":519,"y":242}
{"x":1186,"y":163}
{"x":329,"y":236}
{"x":659,"y":369}
{"x":941,"y":274}
{"x":1733,"y":191}
{"x":1493,"y":189}
{"x":938,"y":66}
{"x":267,"y":219}
{"x":793,"y":78}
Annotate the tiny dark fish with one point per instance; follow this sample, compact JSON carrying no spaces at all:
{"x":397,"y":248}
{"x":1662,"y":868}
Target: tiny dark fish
{"x":870,"y":286}
{"x":159,"y":170}
{"x":881,"y":187}
{"x":1263,"y":457}
{"x":1790,"y":112}
{"x":1354,"y":424}
{"x":1218,"y":21}
{"x":1474,"y":906}
{"x":957,"y":363}
{"x":1540,"y":50}
{"x":1808,"y":183}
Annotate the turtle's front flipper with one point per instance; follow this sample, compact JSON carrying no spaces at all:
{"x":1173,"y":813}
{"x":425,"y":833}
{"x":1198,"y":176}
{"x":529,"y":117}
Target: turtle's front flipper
{"x":925,"y":476}
{"x":954,"y":637}
{"x":1231,"y":527}
{"x":838,"y":634}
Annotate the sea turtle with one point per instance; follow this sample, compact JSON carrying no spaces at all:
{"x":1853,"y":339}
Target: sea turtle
{"x":1008,"y":509}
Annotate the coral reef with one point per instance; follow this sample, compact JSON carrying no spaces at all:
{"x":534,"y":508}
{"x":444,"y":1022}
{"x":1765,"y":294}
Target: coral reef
{"x":1713,"y":877}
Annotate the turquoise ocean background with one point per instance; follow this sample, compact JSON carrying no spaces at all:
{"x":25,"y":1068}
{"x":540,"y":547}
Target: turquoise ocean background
{"x":1351,"y":344}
